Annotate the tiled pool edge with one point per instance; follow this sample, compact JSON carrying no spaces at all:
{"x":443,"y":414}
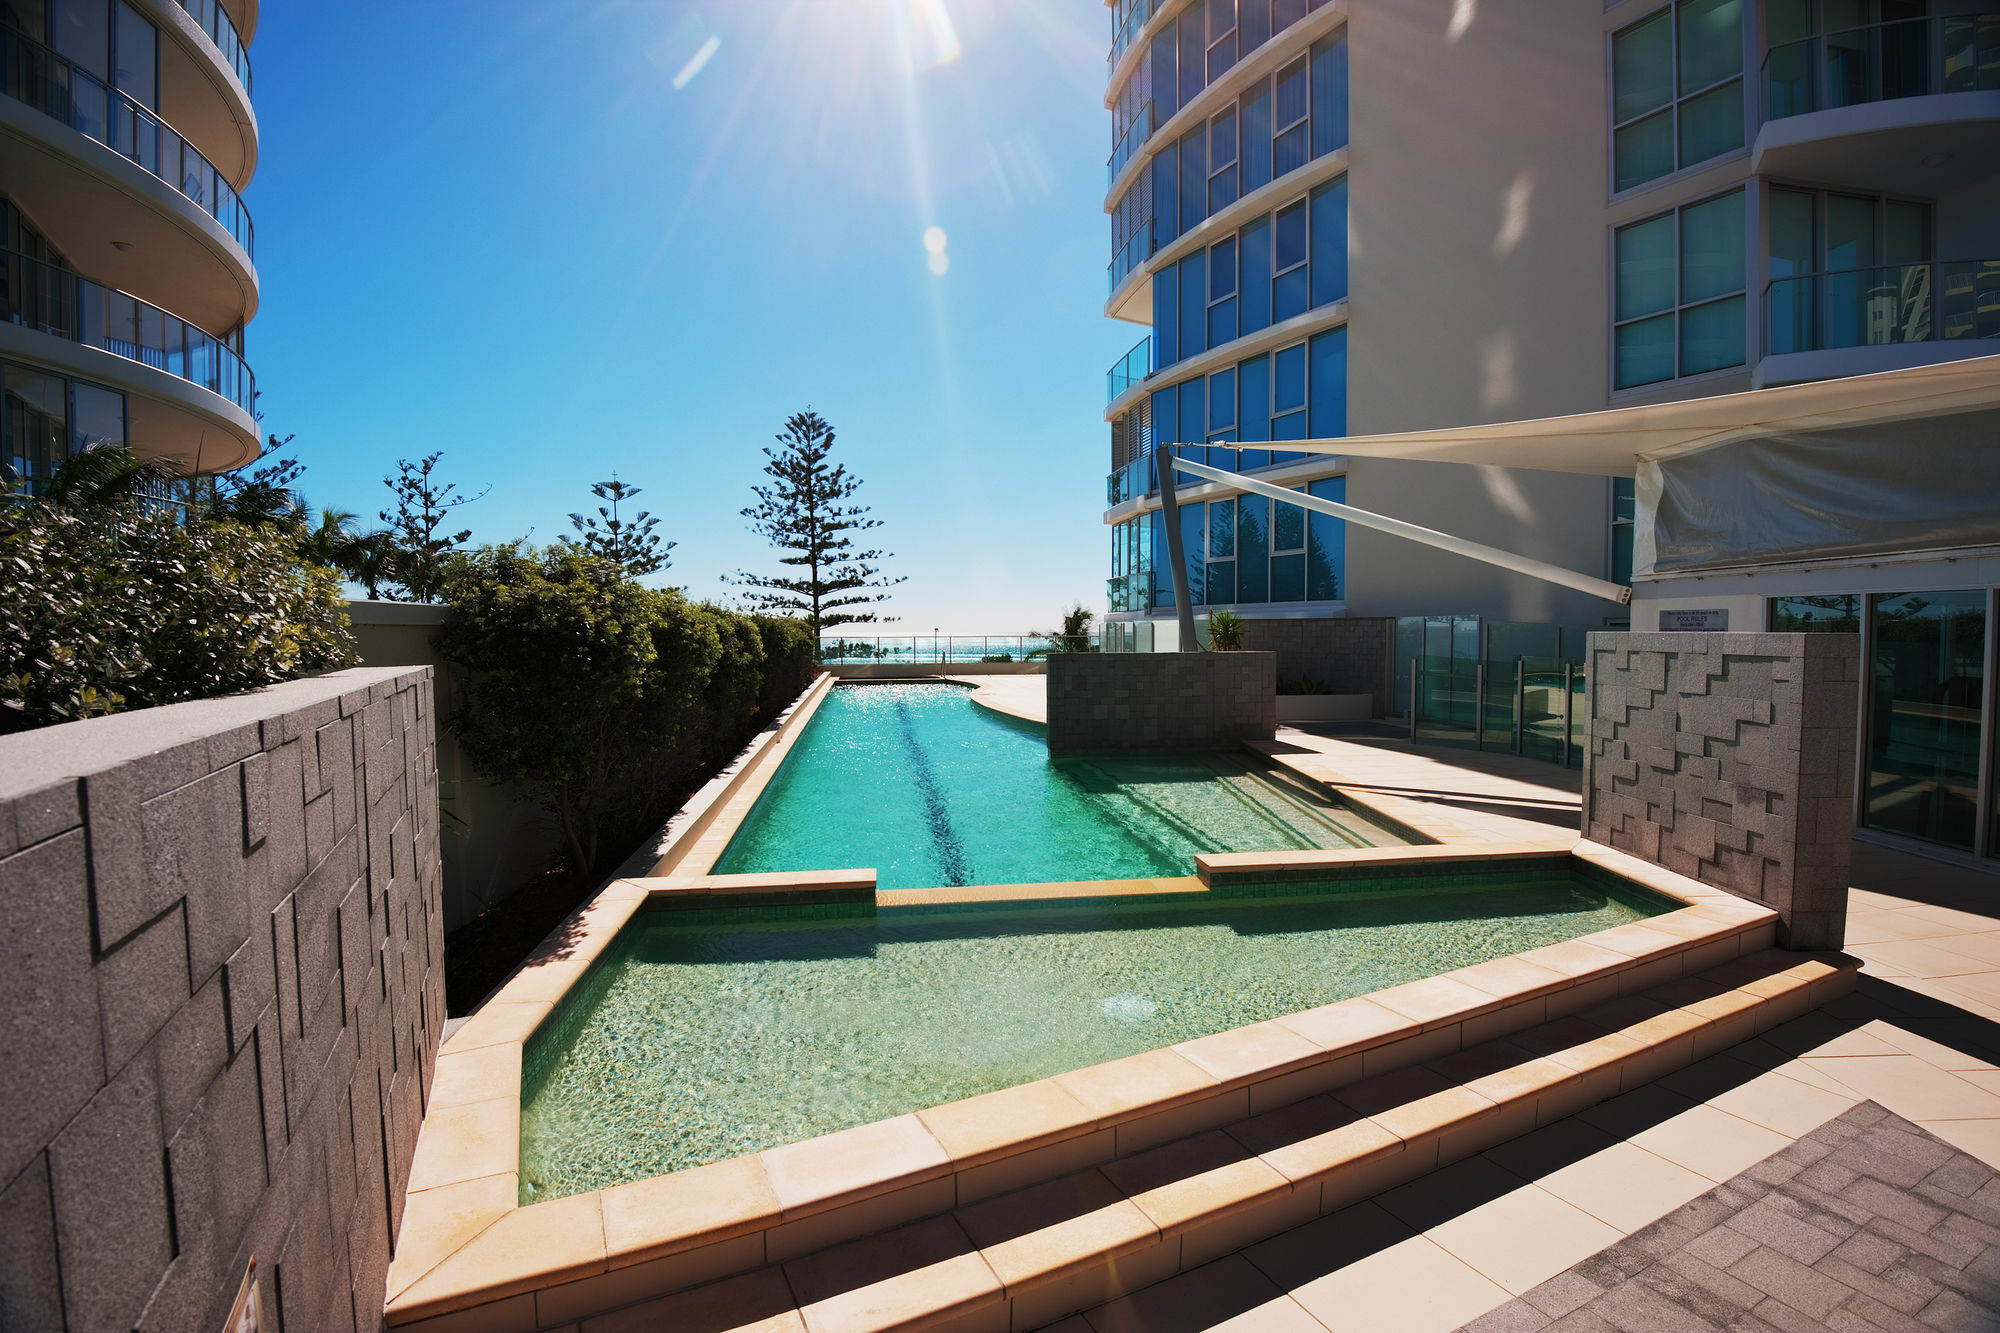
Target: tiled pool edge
{"x":469,"y":1245}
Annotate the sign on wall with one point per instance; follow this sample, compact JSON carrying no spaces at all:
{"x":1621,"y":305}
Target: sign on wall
{"x":247,"y":1315}
{"x":1692,"y":622}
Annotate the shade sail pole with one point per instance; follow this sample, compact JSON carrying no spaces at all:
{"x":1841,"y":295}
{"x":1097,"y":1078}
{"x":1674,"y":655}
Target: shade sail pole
{"x":1444,"y":541}
{"x":1171,"y":516}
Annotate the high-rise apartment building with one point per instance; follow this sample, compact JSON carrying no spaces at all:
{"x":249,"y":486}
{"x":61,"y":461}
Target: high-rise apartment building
{"x":126,"y":137}
{"x":1698,"y":296}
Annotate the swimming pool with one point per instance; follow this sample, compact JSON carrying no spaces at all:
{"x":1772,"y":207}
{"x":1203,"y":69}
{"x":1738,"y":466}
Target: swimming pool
{"x":702,"y":1035}
{"x":929,"y":789}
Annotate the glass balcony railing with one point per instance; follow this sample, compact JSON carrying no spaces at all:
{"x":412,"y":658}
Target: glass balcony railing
{"x":1133,"y":253}
{"x":57,"y":301}
{"x":1132,"y":368}
{"x":213,"y":19}
{"x":1883,"y":61}
{"x":31,"y":73}
{"x":1940,"y":301}
{"x":1131,"y":141}
{"x":1135,"y":19}
{"x":946,"y":650}
{"x":1130,"y":482}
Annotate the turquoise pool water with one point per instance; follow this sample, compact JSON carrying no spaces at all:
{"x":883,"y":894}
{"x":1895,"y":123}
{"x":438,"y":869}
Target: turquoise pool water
{"x":931,"y":789}
{"x":703,"y":1035}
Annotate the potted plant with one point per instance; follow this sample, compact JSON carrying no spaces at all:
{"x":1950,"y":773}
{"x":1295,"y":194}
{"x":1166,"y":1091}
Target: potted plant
{"x":1225,"y":632}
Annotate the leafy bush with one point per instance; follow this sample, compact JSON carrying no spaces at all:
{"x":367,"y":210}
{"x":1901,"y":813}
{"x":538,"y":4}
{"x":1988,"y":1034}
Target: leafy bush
{"x":1304,"y":684}
{"x":1225,"y":631}
{"x":600,"y":696}
{"x":109,"y":605}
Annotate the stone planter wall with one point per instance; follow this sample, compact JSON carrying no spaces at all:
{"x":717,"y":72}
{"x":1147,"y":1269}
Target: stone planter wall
{"x":223,"y":976}
{"x":1160,"y":701}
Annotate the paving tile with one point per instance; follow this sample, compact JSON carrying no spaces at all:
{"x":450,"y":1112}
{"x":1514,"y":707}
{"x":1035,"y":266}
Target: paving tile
{"x":1625,"y":1186}
{"x":1227,"y":1293}
{"x":1711,"y":1142}
{"x":1413,"y":1286}
{"x":1523,"y":1238}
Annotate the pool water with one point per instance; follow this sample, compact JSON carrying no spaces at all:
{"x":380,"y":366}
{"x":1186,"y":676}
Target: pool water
{"x":703,"y":1035}
{"x":930,"y":789}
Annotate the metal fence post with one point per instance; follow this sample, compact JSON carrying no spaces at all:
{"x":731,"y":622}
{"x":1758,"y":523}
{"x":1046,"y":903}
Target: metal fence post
{"x":1520,"y":704}
{"x":1479,"y":705}
{"x":1413,"y":697}
{"x":1569,"y":703}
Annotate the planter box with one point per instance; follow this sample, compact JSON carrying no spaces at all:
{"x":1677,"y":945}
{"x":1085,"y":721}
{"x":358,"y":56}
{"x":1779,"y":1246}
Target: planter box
{"x":1325,"y":707}
{"x":1160,"y":701}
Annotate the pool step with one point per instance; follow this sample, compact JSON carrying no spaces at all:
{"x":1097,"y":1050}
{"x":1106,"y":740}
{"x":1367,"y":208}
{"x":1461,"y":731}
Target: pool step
{"x":1022,"y":1259}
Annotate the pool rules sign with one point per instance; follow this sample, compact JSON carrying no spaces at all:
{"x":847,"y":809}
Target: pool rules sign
{"x":247,"y":1314}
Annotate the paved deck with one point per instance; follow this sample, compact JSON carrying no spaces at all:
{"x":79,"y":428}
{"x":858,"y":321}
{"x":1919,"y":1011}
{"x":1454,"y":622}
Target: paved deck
{"x":1025,"y":697}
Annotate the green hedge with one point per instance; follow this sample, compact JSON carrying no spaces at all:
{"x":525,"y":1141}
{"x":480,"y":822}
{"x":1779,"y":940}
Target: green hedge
{"x":606,"y":699}
{"x":116,"y":606}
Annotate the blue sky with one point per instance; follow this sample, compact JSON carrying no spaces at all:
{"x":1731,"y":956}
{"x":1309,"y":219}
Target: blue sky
{"x":501,"y":231}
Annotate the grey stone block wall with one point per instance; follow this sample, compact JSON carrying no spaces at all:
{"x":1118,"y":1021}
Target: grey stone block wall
{"x":221,"y":963}
{"x":1729,"y":758}
{"x":1160,"y":701}
{"x":1351,"y":656}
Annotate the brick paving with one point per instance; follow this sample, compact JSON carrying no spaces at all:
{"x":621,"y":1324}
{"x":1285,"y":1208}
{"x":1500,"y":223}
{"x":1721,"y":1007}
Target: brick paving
{"x":1867,"y":1223}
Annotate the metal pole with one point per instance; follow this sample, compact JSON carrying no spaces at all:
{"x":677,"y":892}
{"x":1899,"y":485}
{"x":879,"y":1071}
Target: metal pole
{"x":1170,"y":511}
{"x":1568,"y":705}
{"x":1414,"y":686}
{"x":1479,"y":706}
{"x":1444,"y":541}
{"x":1520,"y":702}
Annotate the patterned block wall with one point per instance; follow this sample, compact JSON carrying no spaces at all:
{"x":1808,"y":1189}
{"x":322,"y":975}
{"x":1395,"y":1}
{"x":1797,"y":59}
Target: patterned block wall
{"x":222,"y":970}
{"x":1729,"y":758}
{"x":1351,"y":656}
{"x":1160,"y":701}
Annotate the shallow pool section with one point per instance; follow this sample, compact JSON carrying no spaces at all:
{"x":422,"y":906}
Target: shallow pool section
{"x":702,"y":1035}
{"x":930,"y":789}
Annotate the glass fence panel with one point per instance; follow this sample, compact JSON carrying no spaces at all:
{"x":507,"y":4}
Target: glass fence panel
{"x":1883,"y":61}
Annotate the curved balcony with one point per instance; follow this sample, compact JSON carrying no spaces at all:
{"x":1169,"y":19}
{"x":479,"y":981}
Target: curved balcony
{"x":32,"y":74}
{"x":215,"y":23}
{"x":1909,"y":105}
{"x":1855,"y":321}
{"x":203,"y":87}
{"x":1132,"y":368}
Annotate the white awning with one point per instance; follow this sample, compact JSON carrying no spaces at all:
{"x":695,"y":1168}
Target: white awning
{"x":1610,"y":443}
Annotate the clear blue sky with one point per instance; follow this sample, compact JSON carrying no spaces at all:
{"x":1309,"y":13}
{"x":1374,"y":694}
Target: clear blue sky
{"x":501,"y":231}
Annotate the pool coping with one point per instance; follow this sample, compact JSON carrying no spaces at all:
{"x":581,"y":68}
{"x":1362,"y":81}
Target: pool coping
{"x":469,"y":1248}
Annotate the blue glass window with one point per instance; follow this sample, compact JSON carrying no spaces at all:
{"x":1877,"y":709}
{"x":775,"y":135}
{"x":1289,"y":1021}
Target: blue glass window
{"x":1253,"y":25}
{"x":1166,"y":417}
{"x":1163,"y":585}
{"x":1253,"y":550}
{"x":1221,"y":37}
{"x":1253,"y":414}
{"x":1222,"y":402}
{"x":1284,"y":13}
{"x":1326,"y":545}
{"x":1329,"y":96}
{"x":1329,"y":384}
{"x":1222,"y":162}
{"x":1255,"y":240}
{"x":1194,"y":180}
{"x":1329,"y":242}
{"x":1290,"y":113}
{"x":1166,"y":316}
{"x":1194,"y":304}
{"x":1166,"y":208}
{"x":1192,"y":415}
{"x":1222,"y":530}
{"x":1290,"y":237}
{"x":1193,"y":56}
{"x":1194,"y":523}
{"x":1289,"y":392}
{"x":1221,"y":292}
{"x":1165,"y":102}
{"x":1288,"y":577}
{"x":1255,"y":115}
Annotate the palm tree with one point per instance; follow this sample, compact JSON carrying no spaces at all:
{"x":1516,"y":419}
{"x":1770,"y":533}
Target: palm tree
{"x":108,"y":475}
{"x":332,"y":541}
{"x":370,"y":560}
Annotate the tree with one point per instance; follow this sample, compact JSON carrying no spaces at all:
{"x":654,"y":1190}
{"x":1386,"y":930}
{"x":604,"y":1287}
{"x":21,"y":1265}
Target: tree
{"x":1074,"y":636}
{"x":630,"y":542}
{"x":805,"y":514}
{"x":422,"y":550}
{"x":265,"y":496}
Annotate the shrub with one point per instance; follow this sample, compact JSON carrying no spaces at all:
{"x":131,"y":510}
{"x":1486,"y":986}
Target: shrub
{"x":1225,"y":631}
{"x":115,"y":606}
{"x":1304,"y":684}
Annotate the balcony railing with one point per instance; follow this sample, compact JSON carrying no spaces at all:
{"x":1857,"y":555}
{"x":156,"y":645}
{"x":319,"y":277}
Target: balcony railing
{"x":1940,"y":301}
{"x":1131,"y":141}
{"x":1130,"y":592}
{"x":31,"y":73}
{"x":1130,"y":482}
{"x":1132,"y":368}
{"x":57,"y":301}
{"x":1135,"y":19}
{"x":1883,"y":61}
{"x":211,"y":18}
{"x":934,"y":650}
{"x":1133,"y":253}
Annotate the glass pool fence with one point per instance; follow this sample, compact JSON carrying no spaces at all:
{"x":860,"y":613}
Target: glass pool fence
{"x":1504,"y":686}
{"x":947,"y":649}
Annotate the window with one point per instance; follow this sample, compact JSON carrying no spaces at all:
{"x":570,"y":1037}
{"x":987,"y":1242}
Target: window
{"x":1194,"y":179}
{"x":1222,"y":36}
{"x":1166,"y":315}
{"x":1328,"y":388}
{"x":137,"y":57}
{"x":1329,"y":95}
{"x":1193,"y":55}
{"x":1624,"y":508}
{"x":1926,"y":700}
{"x":1291,"y":112}
{"x":1221,"y":162}
{"x":1679,"y":305}
{"x":1288,"y":393}
{"x":1253,"y":550}
{"x":1676,"y":90}
{"x":1222,"y":406}
{"x":1254,"y":111}
{"x":1253,"y":416}
{"x":1221,"y":584}
{"x":1253,"y":26}
{"x":1290,"y":243}
{"x":1222,"y":292}
{"x":1194,"y":304}
{"x":1326,"y":548}
{"x":1255,"y":243}
{"x":1166,"y":87}
{"x":1288,"y":552}
{"x":1835,"y":613}
{"x":1849,"y":271}
{"x":1329,"y":243}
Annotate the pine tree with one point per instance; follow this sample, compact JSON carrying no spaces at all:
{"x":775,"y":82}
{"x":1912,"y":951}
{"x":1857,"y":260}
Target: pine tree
{"x":421,"y":549}
{"x":805,"y":514}
{"x":630,"y":542}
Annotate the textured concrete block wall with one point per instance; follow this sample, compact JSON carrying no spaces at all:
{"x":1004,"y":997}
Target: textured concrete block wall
{"x":1351,"y":656}
{"x":1729,"y":758}
{"x":222,"y":974}
{"x":1160,"y":701}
